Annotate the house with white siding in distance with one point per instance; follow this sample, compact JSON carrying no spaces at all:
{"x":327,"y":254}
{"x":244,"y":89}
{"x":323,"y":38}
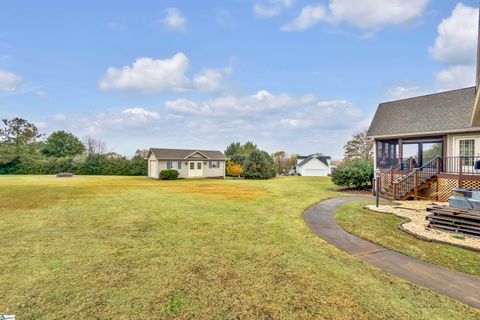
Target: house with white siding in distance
{"x":314,"y":165}
{"x":188,"y":163}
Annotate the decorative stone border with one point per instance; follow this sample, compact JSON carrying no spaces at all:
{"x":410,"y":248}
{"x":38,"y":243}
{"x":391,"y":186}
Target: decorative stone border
{"x":406,"y":220}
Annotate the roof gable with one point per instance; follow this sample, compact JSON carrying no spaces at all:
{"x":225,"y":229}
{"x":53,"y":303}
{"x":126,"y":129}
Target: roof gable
{"x":180,"y":154}
{"x":436,"y":113}
{"x":306,"y":159}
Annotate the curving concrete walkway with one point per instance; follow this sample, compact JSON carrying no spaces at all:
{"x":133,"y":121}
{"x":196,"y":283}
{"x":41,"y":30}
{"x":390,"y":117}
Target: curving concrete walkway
{"x":456,"y":285}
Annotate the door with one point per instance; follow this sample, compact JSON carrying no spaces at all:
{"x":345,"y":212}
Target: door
{"x":153,"y":173}
{"x":195,"y":169}
{"x":469,"y":150}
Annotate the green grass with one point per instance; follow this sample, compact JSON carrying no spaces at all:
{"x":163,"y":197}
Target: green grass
{"x":383,"y":229}
{"x":133,"y":248}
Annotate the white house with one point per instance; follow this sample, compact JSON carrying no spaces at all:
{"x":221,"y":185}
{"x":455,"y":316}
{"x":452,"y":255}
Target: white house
{"x":314,"y":165}
{"x":188,"y":163}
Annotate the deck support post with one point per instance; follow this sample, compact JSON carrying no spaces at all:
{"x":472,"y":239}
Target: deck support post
{"x":394,"y":191}
{"x":415,"y":183}
{"x":460,"y":171}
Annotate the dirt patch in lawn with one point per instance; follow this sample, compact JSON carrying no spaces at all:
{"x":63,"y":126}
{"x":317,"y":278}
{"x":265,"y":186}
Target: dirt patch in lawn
{"x":219,"y":191}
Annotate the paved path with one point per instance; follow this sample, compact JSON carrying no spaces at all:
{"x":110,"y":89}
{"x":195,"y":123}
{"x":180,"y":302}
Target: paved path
{"x":321,"y":220}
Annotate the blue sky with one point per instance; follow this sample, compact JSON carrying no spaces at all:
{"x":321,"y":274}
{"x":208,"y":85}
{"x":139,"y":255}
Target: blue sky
{"x":291,"y":75}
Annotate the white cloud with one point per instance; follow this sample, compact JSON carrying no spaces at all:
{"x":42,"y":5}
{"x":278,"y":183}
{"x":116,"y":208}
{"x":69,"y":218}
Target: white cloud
{"x":271,"y":9}
{"x":275,"y":121}
{"x":456,"y":46}
{"x":59,"y":117}
{"x":455,"y":77}
{"x":309,"y":16}
{"x":456,"y":42}
{"x":225,"y":18}
{"x":365,"y":14}
{"x":372,"y":14}
{"x":167,"y":75}
{"x":138,"y":114}
{"x":124,"y":121}
{"x":174,"y":20}
{"x":402,"y":92}
{"x":42,"y":95}
{"x":262,"y":101}
{"x":9,"y":81}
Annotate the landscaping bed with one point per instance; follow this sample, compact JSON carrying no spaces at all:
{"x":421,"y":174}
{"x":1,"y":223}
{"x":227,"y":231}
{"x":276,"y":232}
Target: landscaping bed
{"x":415,"y":212}
{"x":386,"y":230}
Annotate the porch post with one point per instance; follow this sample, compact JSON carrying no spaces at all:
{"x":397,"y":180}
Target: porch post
{"x":400,"y":151}
{"x":445,"y":153}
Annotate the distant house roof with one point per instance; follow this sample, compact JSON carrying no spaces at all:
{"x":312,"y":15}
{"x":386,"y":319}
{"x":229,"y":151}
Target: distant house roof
{"x":323,"y":159}
{"x":177,"y":154}
{"x":443,"y":112}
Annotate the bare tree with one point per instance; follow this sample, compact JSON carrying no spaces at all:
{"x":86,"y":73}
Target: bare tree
{"x":359,"y":147}
{"x":141,"y":153}
{"x":94,"y":146}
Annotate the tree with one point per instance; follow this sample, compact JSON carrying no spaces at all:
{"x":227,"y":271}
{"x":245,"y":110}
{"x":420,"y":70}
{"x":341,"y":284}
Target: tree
{"x":95,"y":146}
{"x":292,"y":161}
{"x":359,"y":147}
{"x":62,"y":144}
{"x":19,"y":139}
{"x":233,"y":149}
{"x":280,"y":161}
{"x":235,"y":170}
{"x":142,"y":153}
{"x":259,"y":165}
{"x":356,"y":173}
{"x":238,"y":153}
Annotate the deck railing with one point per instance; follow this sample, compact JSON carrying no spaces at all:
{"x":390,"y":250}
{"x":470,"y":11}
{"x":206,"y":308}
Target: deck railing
{"x":414,"y":179}
{"x":469,"y":165}
{"x":389,"y":176}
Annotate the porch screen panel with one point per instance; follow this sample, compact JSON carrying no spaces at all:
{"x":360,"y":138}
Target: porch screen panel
{"x":431,"y":150}
{"x":387,"y":154}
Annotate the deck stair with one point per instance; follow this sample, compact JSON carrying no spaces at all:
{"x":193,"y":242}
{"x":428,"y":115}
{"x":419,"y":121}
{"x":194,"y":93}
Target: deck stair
{"x":404,"y":182}
{"x":457,"y":220}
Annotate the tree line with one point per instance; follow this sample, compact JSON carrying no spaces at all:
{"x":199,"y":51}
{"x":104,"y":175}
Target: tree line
{"x":25,"y":150}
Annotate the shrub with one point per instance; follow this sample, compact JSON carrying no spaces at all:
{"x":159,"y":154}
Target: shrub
{"x":235,"y":170}
{"x":353,"y":174}
{"x":169,"y":174}
{"x":259,"y":165}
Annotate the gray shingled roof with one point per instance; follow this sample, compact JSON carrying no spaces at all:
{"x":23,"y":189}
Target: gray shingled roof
{"x":440,"y":112}
{"x":178,"y":154}
{"x":323,"y":159}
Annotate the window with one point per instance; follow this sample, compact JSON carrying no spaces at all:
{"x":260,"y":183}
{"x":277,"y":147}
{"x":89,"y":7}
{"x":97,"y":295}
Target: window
{"x":174,"y":165}
{"x":467,"y":150}
{"x":192,"y":165}
{"x":214,"y":164}
{"x":199,"y":165}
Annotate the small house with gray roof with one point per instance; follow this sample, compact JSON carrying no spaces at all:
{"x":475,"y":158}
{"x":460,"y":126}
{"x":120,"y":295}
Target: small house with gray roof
{"x":314,"y":165}
{"x":189,"y":163}
{"x":428,"y":145}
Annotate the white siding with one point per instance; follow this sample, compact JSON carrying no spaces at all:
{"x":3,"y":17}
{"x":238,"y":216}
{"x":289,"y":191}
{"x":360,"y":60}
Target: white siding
{"x":152,"y":167}
{"x":314,"y":168}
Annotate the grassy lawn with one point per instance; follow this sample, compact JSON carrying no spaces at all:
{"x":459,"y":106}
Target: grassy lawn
{"x":133,"y":248}
{"x":382,"y":228}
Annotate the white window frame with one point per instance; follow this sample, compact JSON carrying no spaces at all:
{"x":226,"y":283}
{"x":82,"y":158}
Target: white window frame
{"x":214,"y":164}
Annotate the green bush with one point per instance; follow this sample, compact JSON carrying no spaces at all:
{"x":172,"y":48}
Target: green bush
{"x":259,"y":165}
{"x":169,"y":174}
{"x":353,"y":174}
